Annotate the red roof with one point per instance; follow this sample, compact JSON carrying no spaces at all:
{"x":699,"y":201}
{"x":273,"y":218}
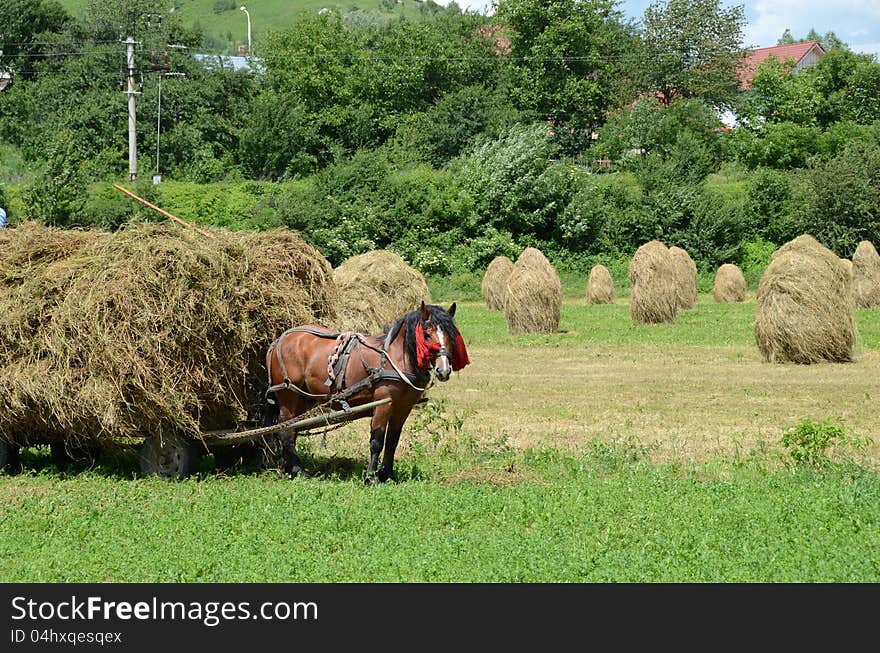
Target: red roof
{"x":795,"y":51}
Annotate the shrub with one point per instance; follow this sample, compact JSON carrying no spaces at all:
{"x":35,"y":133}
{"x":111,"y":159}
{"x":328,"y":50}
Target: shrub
{"x":516,"y":187}
{"x":809,"y":442}
{"x":845,"y":207}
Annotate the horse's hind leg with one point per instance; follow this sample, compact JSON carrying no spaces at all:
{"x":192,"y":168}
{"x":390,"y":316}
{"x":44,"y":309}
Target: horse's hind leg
{"x":289,"y":406}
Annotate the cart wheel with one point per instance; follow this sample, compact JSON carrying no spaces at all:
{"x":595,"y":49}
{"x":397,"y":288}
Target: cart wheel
{"x":171,"y":458}
{"x":8,"y":456}
{"x":64,"y":454}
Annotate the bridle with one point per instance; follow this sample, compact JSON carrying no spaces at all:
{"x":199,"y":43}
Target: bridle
{"x":442,"y":371}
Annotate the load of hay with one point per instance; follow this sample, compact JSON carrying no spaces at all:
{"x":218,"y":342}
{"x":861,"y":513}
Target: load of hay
{"x":653,"y":298}
{"x":375,"y":288}
{"x":600,"y":286}
{"x":534,"y":295}
{"x":494,"y":284}
{"x":152,"y":330}
{"x":729,"y":285}
{"x":685,"y":278}
{"x":866,"y":276}
{"x":804,"y":312}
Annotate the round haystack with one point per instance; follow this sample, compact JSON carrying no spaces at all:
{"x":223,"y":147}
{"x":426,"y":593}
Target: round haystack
{"x":866,"y":276}
{"x":494,"y":284}
{"x":653,"y":298}
{"x":848,"y":265}
{"x":730,"y":284}
{"x":152,"y":330}
{"x":685,"y":278}
{"x":804,"y":312}
{"x":600,"y":286}
{"x":375,"y":289}
{"x":533,"y":301}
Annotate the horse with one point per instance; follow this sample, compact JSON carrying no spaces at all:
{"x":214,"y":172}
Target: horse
{"x":310,"y":365}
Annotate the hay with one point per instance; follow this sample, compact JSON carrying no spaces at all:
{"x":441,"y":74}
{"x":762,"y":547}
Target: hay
{"x":729,"y":285}
{"x":685,"y":278}
{"x":494,"y":285}
{"x":375,"y":289}
{"x":533,"y":301}
{"x":804,"y":312}
{"x":866,"y":276}
{"x":653,"y":298}
{"x":152,"y":330}
{"x":600,"y":286}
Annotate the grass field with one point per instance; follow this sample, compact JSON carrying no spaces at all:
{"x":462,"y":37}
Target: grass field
{"x":608,"y":452}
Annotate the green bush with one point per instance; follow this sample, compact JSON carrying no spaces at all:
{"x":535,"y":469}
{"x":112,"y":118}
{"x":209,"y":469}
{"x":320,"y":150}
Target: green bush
{"x":845,"y":205}
{"x":756,"y":256}
{"x":516,"y":186}
{"x":812,"y":443}
{"x":248,"y":205}
{"x":768,"y":210}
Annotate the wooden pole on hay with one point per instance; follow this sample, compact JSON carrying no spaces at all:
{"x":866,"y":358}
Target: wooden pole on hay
{"x":162,"y":211}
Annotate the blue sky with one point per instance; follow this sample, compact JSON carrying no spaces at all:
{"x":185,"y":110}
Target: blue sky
{"x":856,"y":22}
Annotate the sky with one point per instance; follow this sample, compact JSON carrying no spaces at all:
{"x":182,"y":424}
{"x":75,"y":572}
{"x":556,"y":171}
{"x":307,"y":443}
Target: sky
{"x":855,"y":22}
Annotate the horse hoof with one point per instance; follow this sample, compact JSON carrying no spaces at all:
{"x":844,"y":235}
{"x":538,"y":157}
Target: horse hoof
{"x":298,"y":471}
{"x":387,"y":477}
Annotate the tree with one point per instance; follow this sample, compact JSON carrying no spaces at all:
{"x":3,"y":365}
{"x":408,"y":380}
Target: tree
{"x":691,"y":48}
{"x":22,"y":22}
{"x":786,"y":38}
{"x":563,"y":58}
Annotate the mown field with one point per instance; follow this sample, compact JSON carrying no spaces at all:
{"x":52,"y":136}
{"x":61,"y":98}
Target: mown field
{"x":609,"y":452}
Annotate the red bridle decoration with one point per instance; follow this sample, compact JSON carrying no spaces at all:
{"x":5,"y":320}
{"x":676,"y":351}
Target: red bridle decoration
{"x":426,"y":351}
{"x":460,"y":358}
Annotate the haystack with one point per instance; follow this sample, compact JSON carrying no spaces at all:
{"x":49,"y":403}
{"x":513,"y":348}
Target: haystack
{"x":600,"y":286}
{"x":494,"y":284}
{"x":730,"y":284}
{"x":804,"y":313}
{"x":152,"y":330}
{"x":685,"y":278}
{"x":375,"y":289}
{"x":866,"y":276}
{"x":653,"y":297}
{"x":533,"y":303}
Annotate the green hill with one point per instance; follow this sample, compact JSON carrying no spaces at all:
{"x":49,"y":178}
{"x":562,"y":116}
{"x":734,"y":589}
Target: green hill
{"x":224,"y":25}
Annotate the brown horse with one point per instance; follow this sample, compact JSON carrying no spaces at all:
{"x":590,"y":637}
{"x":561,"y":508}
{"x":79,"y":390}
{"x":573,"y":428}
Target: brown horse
{"x":309,"y":365}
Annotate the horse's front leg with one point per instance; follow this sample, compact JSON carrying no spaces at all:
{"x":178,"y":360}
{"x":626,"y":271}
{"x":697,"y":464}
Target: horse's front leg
{"x":392,"y":437}
{"x":378,"y":429}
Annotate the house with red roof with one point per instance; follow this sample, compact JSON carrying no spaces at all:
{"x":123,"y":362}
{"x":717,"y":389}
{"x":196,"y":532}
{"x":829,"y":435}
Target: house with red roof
{"x":803,"y":54}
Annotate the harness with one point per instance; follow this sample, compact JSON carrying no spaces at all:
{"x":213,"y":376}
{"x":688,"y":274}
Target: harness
{"x":347,"y":343}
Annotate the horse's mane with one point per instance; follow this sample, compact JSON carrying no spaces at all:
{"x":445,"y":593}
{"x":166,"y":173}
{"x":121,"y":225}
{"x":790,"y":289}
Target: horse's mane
{"x":408,"y":322}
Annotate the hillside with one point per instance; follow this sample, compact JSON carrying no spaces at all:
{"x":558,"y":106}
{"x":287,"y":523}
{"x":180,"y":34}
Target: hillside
{"x":225,"y":26}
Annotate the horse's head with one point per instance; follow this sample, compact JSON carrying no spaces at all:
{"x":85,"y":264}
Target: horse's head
{"x":438,"y":342}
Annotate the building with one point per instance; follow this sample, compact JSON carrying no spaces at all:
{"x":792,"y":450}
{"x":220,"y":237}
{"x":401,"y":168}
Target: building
{"x":803,"y":54}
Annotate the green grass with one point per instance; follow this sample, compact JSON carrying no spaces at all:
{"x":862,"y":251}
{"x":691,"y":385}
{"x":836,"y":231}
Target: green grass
{"x":471,"y":506}
{"x":595,"y":517}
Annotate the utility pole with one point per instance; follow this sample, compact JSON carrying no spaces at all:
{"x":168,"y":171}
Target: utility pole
{"x":132,"y":122}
